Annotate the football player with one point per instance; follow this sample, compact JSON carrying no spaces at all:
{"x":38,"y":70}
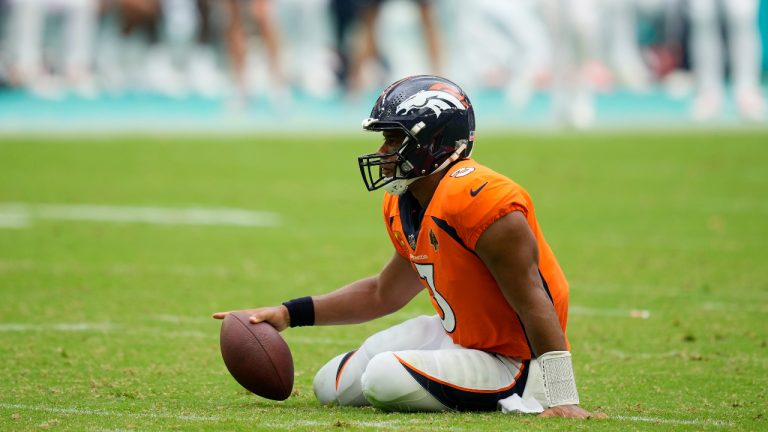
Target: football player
{"x":469,"y":236}
{"x":744,"y":53}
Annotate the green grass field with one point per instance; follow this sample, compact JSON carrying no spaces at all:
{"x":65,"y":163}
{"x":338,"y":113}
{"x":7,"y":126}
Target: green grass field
{"x":105,"y":325}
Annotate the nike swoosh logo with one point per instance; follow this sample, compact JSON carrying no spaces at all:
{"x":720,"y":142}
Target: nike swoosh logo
{"x":474,"y":192}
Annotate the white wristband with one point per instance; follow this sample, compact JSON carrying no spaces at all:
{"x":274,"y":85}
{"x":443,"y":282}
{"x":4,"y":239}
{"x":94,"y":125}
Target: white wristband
{"x":559,"y":382}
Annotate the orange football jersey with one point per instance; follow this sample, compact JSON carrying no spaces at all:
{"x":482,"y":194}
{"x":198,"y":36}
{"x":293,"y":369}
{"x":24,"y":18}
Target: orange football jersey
{"x":469,"y":198}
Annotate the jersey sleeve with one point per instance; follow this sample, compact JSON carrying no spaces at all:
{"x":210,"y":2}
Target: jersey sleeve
{"x":475,"y":209}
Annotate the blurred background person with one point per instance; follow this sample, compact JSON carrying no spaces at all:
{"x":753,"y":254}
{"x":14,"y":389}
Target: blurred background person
{"x":188,"y":40}
{"x":368,"y":65}
{"x":577,"y":67}
{"x":519,"y":30}
{"x":623,"y":51}
{"x":307,"y":50}
{"x":744,"y":52}
{"x":260,"y":11}
{"x":67,"y":63}
{"x":3,"y":45}
{"x":161,"y":46}
{"x":344,"y":15}
{"x":128,"y":53}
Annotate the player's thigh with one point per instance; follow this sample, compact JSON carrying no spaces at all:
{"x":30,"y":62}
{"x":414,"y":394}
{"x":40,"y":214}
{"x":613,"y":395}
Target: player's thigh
{"x":339,"y":380}
{"x":435,"y":380}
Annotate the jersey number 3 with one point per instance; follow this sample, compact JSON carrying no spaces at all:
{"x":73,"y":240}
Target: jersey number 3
{"x":427,"y":272}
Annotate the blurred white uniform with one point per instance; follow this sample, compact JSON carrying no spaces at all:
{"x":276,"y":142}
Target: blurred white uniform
{"x":415,"y":366}
{"x":522,"y":23}
{"x":624,"y":52}
{"x":740,"y":17}
{"x":26,"y":40}
{"x":575,"y":26}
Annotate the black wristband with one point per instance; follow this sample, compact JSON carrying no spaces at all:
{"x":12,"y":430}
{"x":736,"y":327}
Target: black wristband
{"x":301,"y":311}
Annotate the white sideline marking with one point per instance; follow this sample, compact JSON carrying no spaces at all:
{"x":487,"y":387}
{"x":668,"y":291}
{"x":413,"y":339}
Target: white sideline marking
{"x":13,"y":220}
{"x":86,"y":411}
{"x":675,"y":421}
{"x":66,"y":327}
{"x":314,"y":423}
{"x":19,"y":215}
{"x":110,"y":327}
{"x":281,"y":425}
{"x":627,"y":313}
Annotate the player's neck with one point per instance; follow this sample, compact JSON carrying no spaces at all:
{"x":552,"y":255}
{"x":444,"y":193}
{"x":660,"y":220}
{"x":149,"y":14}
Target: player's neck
{"x":423,"y":188}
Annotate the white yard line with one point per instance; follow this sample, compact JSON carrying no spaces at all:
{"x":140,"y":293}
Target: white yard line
{"x":395,"y":424}
{"x":20,"y":214}
{"x":64,"y":327}
{"x":106,"y":413}
{"x":13,"y":220}
{"x":703,"y":422}
{"x":111,"y":327}
{"x":626,"y":313}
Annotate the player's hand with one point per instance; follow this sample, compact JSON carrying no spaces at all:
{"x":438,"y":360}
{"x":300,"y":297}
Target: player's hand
{"x":277,"y":316}
{"x":570,"y":411}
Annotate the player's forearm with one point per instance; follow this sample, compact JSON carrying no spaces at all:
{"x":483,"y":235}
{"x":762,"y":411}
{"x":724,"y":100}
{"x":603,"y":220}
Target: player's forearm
{"x":354,"y":303}
{"x":543,"y":328}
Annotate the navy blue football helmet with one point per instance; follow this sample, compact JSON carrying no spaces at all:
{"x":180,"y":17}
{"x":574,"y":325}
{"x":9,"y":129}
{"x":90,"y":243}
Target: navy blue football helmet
{"x":439,"y":125}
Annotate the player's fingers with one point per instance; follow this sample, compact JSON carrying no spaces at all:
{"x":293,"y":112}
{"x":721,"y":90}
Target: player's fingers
{"x":565,"y":411}
{"x":220,"y":315}
{"x":272,"y":316}
{"x":263,"y":315}
{"x":257,"y":318}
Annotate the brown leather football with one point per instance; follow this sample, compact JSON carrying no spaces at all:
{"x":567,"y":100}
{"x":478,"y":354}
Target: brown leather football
{"x":257,"y":356}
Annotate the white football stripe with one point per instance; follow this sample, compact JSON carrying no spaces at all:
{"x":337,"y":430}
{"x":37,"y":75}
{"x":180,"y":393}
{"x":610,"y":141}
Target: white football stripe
{"x":14,"y":220}
{"x":627,"y":313}
{"x":106,"y":413}
{"x":64,"y":327}
{"x":703,"y":422}
{"x":392,"y":424}
{"x":19,"y":213}
{"x":110,"y":327}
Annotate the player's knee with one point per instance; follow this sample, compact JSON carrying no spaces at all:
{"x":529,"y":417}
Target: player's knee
{"x":338,"y":382}
{"x":324,"y":384}
{"x":387,"y":385}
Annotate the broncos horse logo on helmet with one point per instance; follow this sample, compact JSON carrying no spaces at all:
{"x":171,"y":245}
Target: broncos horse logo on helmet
{"x":436,"y":100}
{"x":439,"y":125}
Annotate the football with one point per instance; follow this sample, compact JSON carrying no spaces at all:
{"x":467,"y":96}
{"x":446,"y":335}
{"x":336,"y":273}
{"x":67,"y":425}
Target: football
{"x":257,"y":356}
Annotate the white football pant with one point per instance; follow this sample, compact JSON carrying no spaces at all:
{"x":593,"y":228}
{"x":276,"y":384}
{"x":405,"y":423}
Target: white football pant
{"x":415,"y":366}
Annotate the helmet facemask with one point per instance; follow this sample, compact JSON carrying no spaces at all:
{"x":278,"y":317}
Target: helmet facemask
{"x":371,"y":165}
{"x":404,"y":172}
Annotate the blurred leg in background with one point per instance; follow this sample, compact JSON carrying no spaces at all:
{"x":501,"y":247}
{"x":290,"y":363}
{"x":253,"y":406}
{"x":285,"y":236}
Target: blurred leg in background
{"x":344,"y":15}
{"x":260,"y":11}
{"x":186,"y":55}
{"x":141,"y":61}
{"x":577,"y":70}
{"x":523,"y":25}
{"x":4,"y":44}
{"x":708,"y":60}
{"x":624,"y":54}
{"x":309,"y":61}
{"x":69,"y":63}
{"x":745,"y":57}
{"x":367,"y":59}
{"x":204,"y":70}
